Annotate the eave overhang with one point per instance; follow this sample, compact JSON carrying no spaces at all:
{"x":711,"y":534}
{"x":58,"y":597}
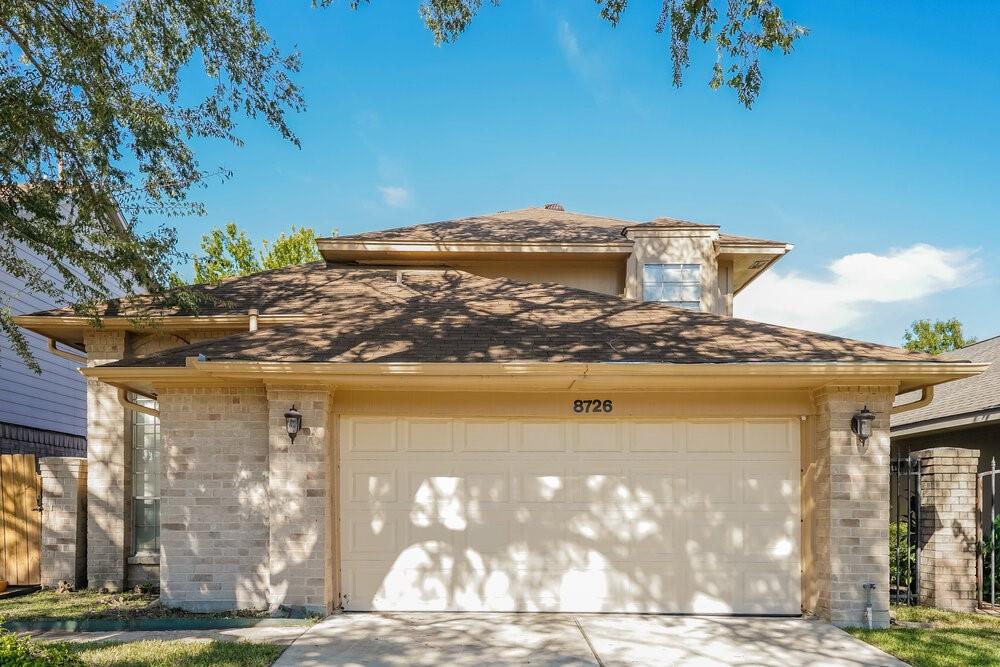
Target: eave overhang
{"x":553,"y":376}
{"x":965,"y":420}
{"x":70,"y":329}
{"x":342,"y":250}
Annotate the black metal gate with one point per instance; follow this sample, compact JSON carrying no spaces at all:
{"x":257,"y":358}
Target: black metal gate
{"x":904,"y":531}
{"x":988,"y":529}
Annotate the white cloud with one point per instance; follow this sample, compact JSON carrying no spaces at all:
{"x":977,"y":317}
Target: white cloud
{"x":395,"y":196}
{"x":583,"y":64}
{"x":856,"y":283}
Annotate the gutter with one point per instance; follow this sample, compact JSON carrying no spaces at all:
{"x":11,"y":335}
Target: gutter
{"x":76,"y":358}
{"x":926,"y":396}
{"x":129,"y":405}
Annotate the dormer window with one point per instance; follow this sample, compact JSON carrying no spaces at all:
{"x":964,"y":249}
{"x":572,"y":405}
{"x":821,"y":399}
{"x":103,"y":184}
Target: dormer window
{"x":673,"y":284}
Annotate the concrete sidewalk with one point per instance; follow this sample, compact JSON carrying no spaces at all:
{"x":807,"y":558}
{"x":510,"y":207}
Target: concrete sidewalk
{"x":389,"y":640}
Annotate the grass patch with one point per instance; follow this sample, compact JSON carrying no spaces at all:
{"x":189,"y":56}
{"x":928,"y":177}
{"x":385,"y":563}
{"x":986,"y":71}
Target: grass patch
{"x":953,"y":640}
{"x":176,"y":653}
{"x":84,"y":604}
{"x":49,"y":605}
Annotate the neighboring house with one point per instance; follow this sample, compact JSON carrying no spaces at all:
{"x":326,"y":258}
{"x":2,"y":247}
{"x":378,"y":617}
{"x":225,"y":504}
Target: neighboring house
{"x":535,"y":410}
{"x":43,"y":414}
{"x":962,"y":414}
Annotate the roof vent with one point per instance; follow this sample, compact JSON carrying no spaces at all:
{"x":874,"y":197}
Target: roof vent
{"x":555,"y":207}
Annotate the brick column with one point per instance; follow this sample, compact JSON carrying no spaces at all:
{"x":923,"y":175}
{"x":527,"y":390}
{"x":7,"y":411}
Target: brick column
{"x":851,"y":514}
{"x":300,"y":555}
{"x":108,"y":484}
{"x":948,"y":527}
{"x":64,"y":520}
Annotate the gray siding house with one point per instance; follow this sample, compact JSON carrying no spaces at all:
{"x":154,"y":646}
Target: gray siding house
{"x":45,"y":414}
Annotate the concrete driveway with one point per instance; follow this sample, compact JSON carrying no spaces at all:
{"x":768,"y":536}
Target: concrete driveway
{"x":567,"y":639}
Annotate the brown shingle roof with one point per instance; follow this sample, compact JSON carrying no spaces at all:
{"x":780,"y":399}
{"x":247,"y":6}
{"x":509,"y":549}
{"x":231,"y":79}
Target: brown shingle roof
{"x":961,"y":397}
{"x":362,"y":314}
{"x":532,"y":225}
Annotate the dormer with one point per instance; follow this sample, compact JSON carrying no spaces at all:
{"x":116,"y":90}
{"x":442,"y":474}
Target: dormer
{"x":682,"y":263}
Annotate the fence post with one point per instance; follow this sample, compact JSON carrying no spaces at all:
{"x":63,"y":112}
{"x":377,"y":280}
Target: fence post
{"x":948,"y":533}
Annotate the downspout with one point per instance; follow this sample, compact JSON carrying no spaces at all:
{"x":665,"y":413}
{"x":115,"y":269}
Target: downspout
{"x":926,"y":396}
{"x":252,"y":314}
{"x":77,"y":358}
{"x":123,"y":399}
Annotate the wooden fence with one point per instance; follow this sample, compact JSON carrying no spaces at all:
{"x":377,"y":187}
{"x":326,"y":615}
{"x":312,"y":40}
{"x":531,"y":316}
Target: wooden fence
{"x":20,"y":520}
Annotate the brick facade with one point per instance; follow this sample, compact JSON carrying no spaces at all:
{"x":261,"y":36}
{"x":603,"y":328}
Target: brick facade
{"x":108,"y":483}
{"x":214,"y":498}
{"x":297,"y":481}
{"x":64,"y":520}
{"x":948,"y":483}
{"x":851,"y":506}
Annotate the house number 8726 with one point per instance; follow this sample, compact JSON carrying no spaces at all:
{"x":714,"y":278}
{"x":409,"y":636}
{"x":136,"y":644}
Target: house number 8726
{"x":593,"y":405}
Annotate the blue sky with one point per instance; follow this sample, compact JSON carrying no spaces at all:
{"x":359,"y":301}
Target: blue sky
{"x":877,"y":135}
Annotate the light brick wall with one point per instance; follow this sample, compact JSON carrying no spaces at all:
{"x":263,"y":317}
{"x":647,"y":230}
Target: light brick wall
{"x":948,"y":527}
{"x":298,"y":548}
{"x":214,"y":498}
{"x":850,"y":530}
{"x":64,"y":520}
{"x":108,"y":483}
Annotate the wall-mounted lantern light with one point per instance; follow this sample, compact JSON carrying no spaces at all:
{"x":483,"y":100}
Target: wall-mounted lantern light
{"x":861,"y":426}
{"x":293,"y":423}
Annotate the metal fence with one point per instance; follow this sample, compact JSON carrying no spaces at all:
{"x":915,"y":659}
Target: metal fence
{"x":904,"y":530}
{"x":988,"y":536}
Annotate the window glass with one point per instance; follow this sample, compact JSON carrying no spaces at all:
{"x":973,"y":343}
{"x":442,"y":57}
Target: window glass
{"x":673,"y":284}
{"x":145,"y":480}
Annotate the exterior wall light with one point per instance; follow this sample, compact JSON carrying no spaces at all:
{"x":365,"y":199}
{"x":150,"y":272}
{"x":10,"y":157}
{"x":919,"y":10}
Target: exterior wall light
{"x":861,"y":426}
{"x":293,"y":423}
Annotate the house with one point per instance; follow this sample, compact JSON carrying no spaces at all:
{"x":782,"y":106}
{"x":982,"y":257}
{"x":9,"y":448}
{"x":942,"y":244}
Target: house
{"x":962,"y":414}
{"x":42,"y":414}
{"x":534,"y":410}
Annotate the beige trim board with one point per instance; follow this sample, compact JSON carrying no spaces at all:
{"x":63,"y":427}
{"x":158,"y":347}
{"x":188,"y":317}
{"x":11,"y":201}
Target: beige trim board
{"x":548,"y":376}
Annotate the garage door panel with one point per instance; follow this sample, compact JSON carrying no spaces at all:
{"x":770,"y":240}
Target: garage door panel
{"x":483,"y":435}
{"x":545,"y":515}
{"x":711,"y":487}
{"x":373,"y":484}
{"x":711,"y":436}
{"x":603,"y":436}
{"x":653,"y":435}
{"x":769,"y":435}
{"x":373,"y":434}
{"x":427,"y":435}
{"x":541,"y":435}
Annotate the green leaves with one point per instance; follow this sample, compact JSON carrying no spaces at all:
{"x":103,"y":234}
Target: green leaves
{"x":229,"y":252}
{"x":96,"y":129}
{"x":935,"y":337}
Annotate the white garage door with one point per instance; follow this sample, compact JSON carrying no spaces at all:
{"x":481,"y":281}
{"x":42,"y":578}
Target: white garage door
{"x":694,"y":516}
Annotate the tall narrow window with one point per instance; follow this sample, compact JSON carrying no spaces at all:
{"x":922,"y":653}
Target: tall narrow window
{"x":145,"y":480}
{"x":673,"y":284}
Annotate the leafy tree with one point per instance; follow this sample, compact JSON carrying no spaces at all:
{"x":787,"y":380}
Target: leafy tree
{"x":228,"y":252}
{"x":739,"y":30}
{"x":94,"y":122}
{"x":298,"y":247}
{"x":935,"y":337}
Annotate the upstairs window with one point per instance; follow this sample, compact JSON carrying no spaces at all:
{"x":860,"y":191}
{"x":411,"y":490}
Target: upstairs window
{"x":672,"y":284}
{"x":145,"y":481}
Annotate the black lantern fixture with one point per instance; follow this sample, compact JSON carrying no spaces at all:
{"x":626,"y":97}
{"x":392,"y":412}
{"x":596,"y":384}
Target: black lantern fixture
{"x":293,"y":423}
{"x":861,"y":426}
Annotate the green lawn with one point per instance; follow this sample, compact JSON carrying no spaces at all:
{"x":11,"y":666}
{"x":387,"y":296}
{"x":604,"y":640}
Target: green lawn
{"x":85,"y":604}
{"x":90,"y":604}
{"x":177,"y":654}
{"x":953,"y":640}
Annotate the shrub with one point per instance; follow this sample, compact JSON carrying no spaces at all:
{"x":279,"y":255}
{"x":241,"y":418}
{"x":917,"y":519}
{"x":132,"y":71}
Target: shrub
{"x":902,"y":555}
{"x":21,"y":651}
{"x":990,"y":542}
